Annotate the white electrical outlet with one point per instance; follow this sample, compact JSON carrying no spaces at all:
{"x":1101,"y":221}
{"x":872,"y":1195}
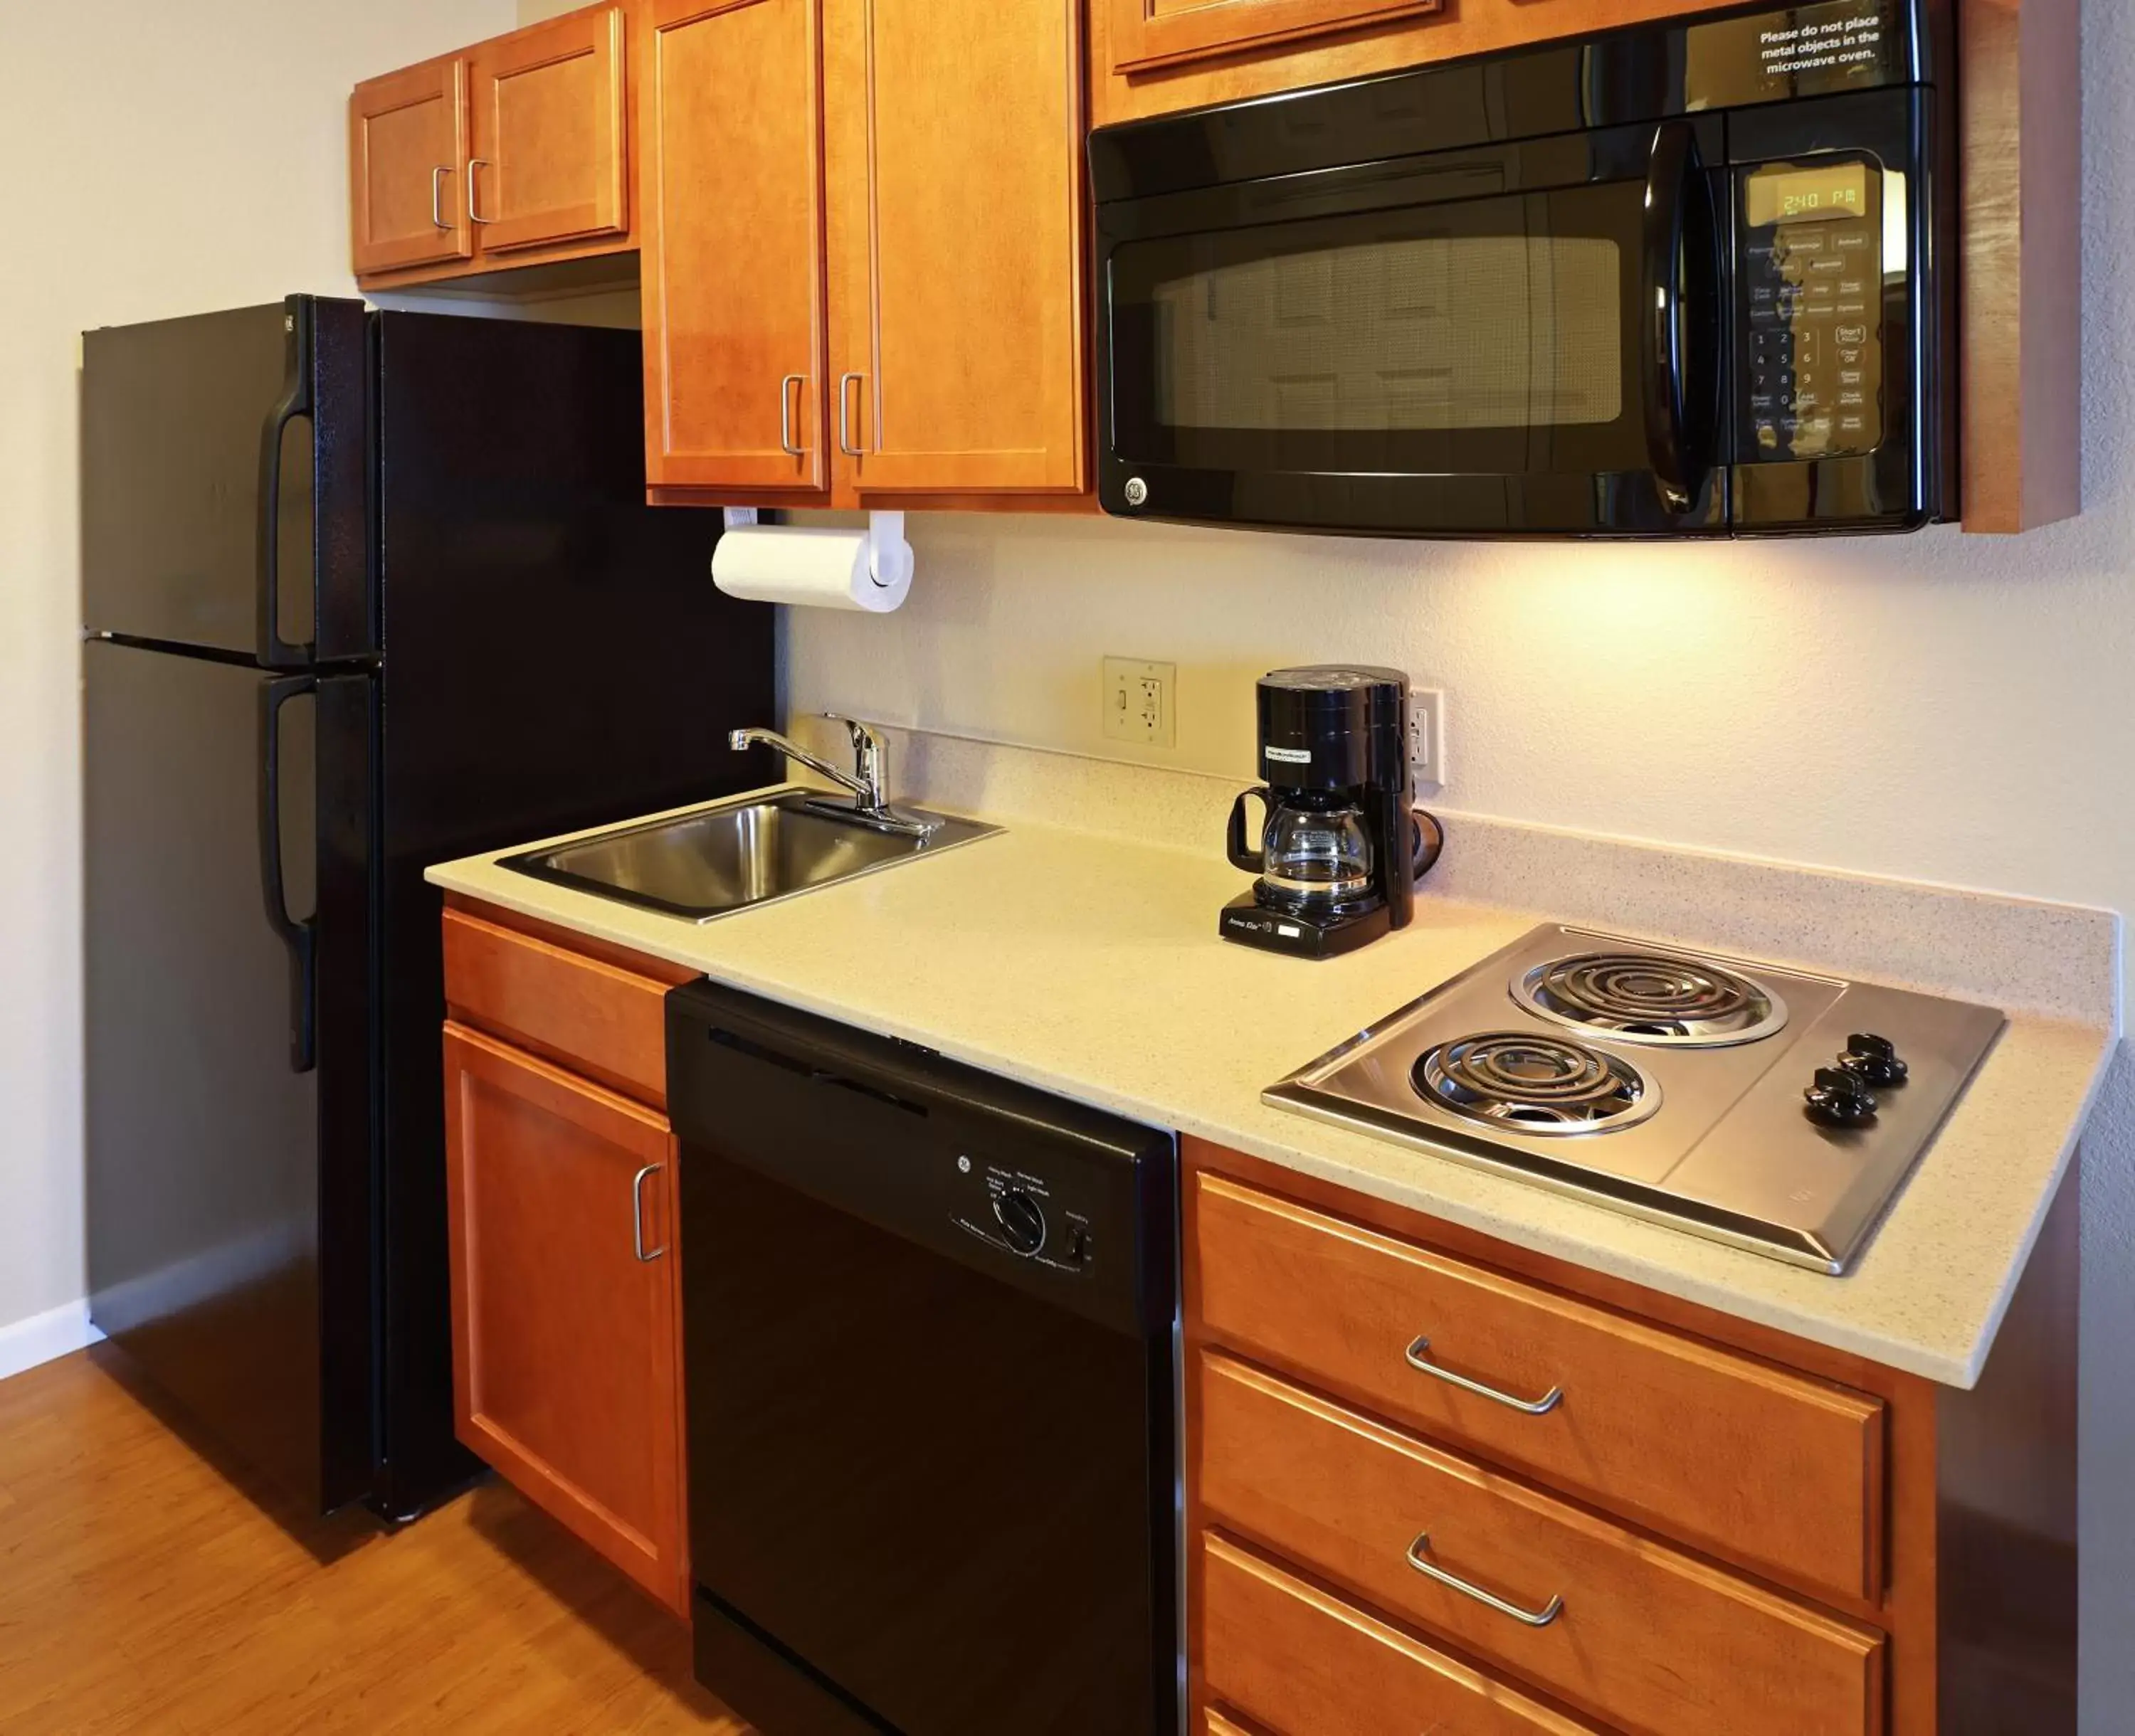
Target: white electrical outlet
{"x":1138,"y":702}
{"x":1426,"y":736}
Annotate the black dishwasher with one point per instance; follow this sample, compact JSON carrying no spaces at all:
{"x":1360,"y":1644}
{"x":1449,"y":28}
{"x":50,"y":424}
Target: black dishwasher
{"x":929,"y":1334}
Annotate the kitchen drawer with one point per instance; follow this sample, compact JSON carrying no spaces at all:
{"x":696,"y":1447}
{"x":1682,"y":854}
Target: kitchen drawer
{"x":1769,"y":1468}
{"x":1645,"y":1637}
{"x":595,"y":1018}
{"x":1300,"y":1662}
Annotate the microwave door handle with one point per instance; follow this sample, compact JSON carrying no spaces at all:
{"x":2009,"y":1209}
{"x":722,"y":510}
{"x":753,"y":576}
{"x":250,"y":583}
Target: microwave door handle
{"x":1676,"y":434}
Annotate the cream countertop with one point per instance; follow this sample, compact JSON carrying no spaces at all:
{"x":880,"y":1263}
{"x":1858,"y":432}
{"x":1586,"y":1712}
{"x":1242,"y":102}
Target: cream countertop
{"x":1088,"y":964}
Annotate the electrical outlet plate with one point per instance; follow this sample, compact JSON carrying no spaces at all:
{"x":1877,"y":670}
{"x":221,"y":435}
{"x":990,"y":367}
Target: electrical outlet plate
{"x":1426,"y":736}
{"x":1138,"y":701}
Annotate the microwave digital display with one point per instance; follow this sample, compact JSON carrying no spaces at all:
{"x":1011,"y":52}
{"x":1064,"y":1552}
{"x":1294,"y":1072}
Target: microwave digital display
{"x":1807,"y":196}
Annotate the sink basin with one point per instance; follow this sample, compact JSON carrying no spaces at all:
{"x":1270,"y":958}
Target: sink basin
{"x":714,"y":861}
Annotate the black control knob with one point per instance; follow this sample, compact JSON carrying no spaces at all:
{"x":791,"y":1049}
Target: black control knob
{"x":1839,"y":1098}
{"x":1873,"y":1060}
{"x":1022,"y":1220}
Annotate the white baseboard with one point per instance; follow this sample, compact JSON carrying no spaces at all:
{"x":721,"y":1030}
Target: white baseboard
{"x":42,"y":1337}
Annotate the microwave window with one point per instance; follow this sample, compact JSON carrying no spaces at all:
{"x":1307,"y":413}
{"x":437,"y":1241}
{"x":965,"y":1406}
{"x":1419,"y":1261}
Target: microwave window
{"x":1421,"y":333}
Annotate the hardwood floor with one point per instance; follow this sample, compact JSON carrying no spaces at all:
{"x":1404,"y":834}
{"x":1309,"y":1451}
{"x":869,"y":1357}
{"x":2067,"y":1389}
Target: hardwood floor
{"x":141,"y":1590}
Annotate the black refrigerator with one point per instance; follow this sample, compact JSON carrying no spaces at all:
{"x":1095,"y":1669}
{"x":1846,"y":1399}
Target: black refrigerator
{"x":361,"y":592}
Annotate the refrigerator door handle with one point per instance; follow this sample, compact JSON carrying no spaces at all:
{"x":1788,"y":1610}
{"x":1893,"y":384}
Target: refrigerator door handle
{"x":296,"y":402}
{"x":301,"y":938}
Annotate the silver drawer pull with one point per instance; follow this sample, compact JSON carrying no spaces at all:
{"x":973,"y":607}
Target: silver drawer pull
{"x":785,"y":415}
{"x":1419,"y":1357}
{"x":437,"y":197}
{"x":1431,"y":1570}
{"x":637,"y":1215}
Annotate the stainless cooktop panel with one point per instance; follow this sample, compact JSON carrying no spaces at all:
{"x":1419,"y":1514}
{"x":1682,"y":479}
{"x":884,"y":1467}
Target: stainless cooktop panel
{"x":1728,"y":1153}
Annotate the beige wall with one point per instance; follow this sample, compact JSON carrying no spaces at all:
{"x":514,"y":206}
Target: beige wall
{"x":161,"y":159}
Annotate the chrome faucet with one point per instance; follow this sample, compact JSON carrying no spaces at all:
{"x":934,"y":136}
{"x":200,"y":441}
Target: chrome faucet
{"x":869,"y":804}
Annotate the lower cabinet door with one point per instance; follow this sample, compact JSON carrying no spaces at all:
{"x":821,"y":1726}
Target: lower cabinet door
{"x":566,"y":1351}
{"x":1299,"y":1662}
{"x":1642,"y":1636}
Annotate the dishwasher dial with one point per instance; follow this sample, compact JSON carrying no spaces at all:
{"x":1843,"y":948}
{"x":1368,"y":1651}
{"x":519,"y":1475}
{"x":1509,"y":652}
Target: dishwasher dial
{"x":1022,"y":1220}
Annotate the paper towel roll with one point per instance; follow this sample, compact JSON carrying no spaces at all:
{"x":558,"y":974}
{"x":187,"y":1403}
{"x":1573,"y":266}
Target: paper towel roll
{"x":811,"y":567}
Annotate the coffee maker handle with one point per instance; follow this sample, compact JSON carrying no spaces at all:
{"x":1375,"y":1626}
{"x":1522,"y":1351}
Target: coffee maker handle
{"x":1430,"y":842}
{"x":1253,"y":862}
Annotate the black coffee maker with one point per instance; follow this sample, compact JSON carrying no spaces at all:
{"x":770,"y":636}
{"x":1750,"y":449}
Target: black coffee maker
{"x":1341,"y":849}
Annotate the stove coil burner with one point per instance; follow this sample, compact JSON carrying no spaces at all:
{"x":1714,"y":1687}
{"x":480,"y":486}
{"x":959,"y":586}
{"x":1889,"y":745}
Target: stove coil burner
{"x":1651,"y":997}
{"x":1526,"y":1082}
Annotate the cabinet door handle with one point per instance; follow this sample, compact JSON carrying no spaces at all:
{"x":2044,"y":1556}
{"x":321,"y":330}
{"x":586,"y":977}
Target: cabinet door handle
{"x":845,"y":428}
{"x":638,"y":1215}
{"x":1419,"y":1358}
{"x":1431,"y":1570}
{"x":474,"y":164}
{"x":438,"y":196}
{"x":785,"y":415}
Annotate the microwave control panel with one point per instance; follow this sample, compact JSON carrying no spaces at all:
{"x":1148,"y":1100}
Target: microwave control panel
{"x":1810,"y":326}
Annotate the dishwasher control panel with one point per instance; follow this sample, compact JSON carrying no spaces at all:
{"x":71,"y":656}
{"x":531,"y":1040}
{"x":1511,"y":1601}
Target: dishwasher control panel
{"x":1027,"y":1215}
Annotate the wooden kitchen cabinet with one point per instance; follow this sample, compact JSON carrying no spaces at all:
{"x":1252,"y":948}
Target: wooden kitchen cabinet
{"x":1149,"y":33}
{"x":733,"y":274}
{"x":1747,"y":1533}
{"x":566,"y":1300}
{"x":407,"y":141}
{"x":515,"y":152}
{"x":958,"y":286}
{"x":550,"y":131}
{"x":864,"y":267}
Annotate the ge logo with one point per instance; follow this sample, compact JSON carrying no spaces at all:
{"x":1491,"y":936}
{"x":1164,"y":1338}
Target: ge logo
{"x":963,"y":1166}
{"x":1137,"y":490}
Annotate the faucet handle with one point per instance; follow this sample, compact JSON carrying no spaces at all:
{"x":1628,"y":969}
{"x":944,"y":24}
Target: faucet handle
{"x":863,"y":737}
{"x":867,"y":756}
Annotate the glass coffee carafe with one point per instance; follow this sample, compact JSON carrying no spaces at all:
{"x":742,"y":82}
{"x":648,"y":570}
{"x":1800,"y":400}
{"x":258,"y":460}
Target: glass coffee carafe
{"x":1316,"y":853}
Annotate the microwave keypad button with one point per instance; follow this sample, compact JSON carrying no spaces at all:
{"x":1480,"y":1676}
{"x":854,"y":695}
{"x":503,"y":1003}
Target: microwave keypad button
{"x":1852,"y":240}
{"x":1850,"y":336}
{"x":1850,"y":401}
{"x":1801,"y":240}
{"x":1857,"y":426}
{"x":1852,"y":377}
{"x":1854,"y":286}
{"x":1830,"y":263}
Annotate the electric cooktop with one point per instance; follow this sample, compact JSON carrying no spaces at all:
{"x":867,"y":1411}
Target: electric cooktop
{"x":1767,"y":1107}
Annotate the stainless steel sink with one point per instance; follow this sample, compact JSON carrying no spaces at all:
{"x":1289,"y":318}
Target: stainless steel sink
{"x":716,"y":860}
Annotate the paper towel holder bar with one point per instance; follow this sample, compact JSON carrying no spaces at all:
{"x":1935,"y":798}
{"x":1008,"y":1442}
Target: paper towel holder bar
{"x":889,"y":556}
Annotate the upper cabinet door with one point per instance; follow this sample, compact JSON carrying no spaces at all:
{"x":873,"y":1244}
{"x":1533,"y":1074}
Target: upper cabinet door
{"x":957,"y":288}
{"x":732,"y":237}
{"x":1163,"y":32}
{"x":407,"y":153}
{"x":550,"y":151}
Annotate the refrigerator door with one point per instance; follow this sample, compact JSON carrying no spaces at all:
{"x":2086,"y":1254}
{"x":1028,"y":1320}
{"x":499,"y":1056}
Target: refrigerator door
{"x":224,"y":475}
{"x":231,"y":1095}
{"x":555,"y":655}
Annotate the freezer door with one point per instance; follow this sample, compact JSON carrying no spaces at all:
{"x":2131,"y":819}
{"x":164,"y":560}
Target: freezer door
{"x":231,"y":1094}
{"x":224,"y":473}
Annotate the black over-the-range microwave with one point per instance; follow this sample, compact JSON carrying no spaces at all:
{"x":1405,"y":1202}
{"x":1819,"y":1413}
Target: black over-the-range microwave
{"x":1689,"y":278}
